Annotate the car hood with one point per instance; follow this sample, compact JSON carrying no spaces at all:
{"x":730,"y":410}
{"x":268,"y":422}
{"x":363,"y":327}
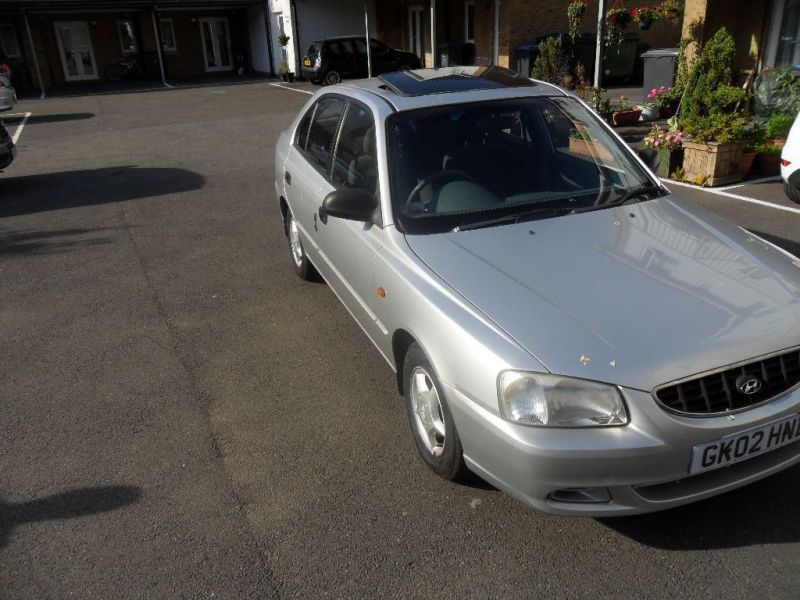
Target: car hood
{"x":637,"y":295}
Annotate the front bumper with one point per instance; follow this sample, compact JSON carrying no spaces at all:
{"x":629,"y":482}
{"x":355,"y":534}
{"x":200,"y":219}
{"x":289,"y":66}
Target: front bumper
{"x":8,"y":99}
{"x":643,"y":466}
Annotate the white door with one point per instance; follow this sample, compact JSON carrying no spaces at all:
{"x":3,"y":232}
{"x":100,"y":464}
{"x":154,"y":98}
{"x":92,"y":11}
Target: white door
{"x":415,"y":30}
{"x":75,"y":48}
{"x":216,"y":44}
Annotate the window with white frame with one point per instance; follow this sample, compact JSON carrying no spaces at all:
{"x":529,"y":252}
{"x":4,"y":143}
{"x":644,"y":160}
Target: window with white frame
{"x":167,"y":30}
{"x":469,"y":21}
{"x":127,"y":37}
{"x":9,"y":43}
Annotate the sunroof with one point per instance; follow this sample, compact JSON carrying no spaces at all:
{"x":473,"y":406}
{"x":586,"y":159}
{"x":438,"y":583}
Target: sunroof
{"x":452,"y":79}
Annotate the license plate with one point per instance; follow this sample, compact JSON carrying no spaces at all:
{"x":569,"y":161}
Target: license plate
{"x":307,"y":62}
{"x":740,"y":446}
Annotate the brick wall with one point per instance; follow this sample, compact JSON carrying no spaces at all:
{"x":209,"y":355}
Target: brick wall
{"x":745,"y":20}
{"x":521,"y":21}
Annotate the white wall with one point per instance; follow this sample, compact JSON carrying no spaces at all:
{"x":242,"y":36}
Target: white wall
{"x":318,"y":20}
{"x":258,"y":39}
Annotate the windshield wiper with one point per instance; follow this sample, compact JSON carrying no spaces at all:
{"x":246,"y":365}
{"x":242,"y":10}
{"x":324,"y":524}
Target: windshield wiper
{"x":636,"y":192}
{"x":538,"y":213}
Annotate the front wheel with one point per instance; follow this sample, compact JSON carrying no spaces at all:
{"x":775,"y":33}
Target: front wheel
{"x":792,"y":192}
{"x":302,"y":266}
{"x":429,"y":416}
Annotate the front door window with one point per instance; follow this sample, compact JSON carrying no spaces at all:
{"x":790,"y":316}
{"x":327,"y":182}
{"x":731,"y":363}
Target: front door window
{"x":788,"y":52}
{"x":75,"y":48}
{"x":216,"y":44}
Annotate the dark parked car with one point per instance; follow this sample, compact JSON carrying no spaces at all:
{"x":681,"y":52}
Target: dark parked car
{"x":7,"y":149}
{"x":330,"y":60}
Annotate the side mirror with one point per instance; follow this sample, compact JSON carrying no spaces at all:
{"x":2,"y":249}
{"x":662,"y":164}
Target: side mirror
{"x":353,"y":204}
{"x":650,"y":157}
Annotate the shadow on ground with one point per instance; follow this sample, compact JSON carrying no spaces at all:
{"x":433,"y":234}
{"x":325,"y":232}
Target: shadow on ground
{"x":69,"y":189}
{"x":762,"y":513}
{"x":38,"y":119}
{"x":49,"y":241}
{"x":67,"y":505}
{"x":788,"y":245}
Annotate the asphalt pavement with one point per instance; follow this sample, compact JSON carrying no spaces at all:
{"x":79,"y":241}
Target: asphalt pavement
{"x":180,"y":416}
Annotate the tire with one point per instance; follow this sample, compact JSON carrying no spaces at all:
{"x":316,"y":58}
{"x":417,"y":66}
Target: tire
{"x":792,"y":192}
{"x":332,"y":78}
{"x":434,"y":431}
{"x":115,"y":73}
{"x":300,"y":263}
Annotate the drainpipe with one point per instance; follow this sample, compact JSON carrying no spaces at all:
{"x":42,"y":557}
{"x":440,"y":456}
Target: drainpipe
{"x":268,"y":23}
{"x":598,"y":50}
{"x":158,"y":46}
{"x":296,"y":31}
{"x":496,"y":33}
{"x":33,"y":54}
{"x":366,"y":29}
{"x":433,"y":33}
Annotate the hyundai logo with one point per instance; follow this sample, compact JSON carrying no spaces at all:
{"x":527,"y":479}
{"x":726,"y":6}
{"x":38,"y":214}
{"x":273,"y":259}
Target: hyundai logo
{"x":748,"y":384}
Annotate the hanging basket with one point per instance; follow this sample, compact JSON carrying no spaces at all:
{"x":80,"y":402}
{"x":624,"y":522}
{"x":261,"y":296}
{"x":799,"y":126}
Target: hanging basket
{"x":617,"y":20}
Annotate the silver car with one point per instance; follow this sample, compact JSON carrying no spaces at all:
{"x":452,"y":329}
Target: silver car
{"x":8,"y":95}
{"x":559,"y":322}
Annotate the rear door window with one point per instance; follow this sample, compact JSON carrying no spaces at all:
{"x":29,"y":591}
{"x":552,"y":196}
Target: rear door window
{"x":322,"y":132}
{"x":339,"y":49}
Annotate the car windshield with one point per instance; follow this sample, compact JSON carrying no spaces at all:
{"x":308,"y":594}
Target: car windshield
{"x":488,"y":163}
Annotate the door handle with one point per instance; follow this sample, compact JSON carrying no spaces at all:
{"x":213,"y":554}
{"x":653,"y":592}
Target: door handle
{"x":287,"y":177}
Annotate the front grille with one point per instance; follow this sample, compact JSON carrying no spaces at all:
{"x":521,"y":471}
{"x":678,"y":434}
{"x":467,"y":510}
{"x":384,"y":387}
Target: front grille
{"x":717,"y":392}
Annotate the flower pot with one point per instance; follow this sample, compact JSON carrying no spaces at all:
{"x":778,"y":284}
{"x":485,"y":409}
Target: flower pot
{"x":284,"y":76}
{"x":291,"y":77}
{"x":780,"y":142}
{"x":649,"y":113}
{"x":590,"y":148}
{"x":665,"y":112}
{"x":669,"y":161}
{"x":712,"y":163}
{"x":746,"y":163}
{"x":626,"y":117}
{"x":768,"y":164}
{"x":645,"y":24}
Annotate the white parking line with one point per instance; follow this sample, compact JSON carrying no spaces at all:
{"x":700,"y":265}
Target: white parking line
{"x":721,"y":192}
{"x":286,"y":87}
{"x":750,"y":182}
{"x":18,"y":130}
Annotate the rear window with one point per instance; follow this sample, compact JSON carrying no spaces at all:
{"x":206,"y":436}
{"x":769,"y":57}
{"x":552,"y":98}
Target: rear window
{"x":313,"y":49}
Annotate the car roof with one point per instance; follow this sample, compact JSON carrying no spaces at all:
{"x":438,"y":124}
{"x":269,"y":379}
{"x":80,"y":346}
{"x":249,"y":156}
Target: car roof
{"x":418,"y":88}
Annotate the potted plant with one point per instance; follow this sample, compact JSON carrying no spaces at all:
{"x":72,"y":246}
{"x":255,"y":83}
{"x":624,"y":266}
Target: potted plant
{"x":617,"y":20}
{"x":624,"y":113}
{"x":777,"y":129}
{"x":753,"y":137}
{"x":669,"y":145}
{"x":671,"y":10}
{"x":551,"y":64}
{"x":710,"y":114}
{"x":644,"y":16}
{"x":283,"y":68}
{"x":575,"y":11}
{"x":601,"y":104}
{"x":768,"y":159}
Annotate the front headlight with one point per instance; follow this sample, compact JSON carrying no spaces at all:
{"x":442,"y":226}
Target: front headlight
{"x":556,"y":401}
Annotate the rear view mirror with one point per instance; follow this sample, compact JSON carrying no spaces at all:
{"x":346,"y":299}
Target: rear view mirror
{"x":353,"y":204}
{"x":650,"y":158}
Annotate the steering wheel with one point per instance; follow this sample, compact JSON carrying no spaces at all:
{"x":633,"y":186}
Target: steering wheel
{"x":437,"y":181}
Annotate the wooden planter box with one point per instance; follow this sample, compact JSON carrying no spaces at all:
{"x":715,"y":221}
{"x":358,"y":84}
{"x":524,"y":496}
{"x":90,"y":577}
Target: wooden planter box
{"x":590,"y":149}
{"x":668,"y":161}
{"x":717,"y":163}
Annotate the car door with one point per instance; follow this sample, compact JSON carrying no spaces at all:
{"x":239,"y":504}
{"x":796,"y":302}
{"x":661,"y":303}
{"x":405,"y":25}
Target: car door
{"x":341,"y":58}
{"x":349,"y":247}
{"x":309,"y":163}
